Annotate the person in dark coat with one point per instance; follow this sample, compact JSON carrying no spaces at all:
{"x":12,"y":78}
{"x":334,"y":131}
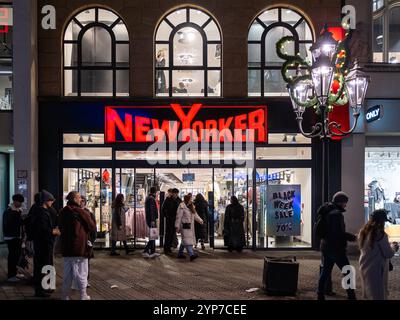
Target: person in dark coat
{"x":201,"y":206}
{"x":151,"y":211}
{"x":43,"y":239}
{"x":168,"y":210}
{"x":334,"y":242}
{"x":12,"y":226}
{"x":76,"y":226}
{"x":234,"y":237}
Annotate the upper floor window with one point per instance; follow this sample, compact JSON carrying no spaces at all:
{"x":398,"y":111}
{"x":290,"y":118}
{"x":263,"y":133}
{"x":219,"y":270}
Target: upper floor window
{"x":96,"y":55}
{"x":6,"y":56}
{"x":188,"y":53}
{"x":264,"y":65}
{"x":386,"y":31}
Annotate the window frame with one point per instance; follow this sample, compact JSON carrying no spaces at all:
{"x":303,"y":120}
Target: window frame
{"x":384,"y":12}
{"x":279,"y":23}
{"x":78,"y":42}
{"x":170,"y":43}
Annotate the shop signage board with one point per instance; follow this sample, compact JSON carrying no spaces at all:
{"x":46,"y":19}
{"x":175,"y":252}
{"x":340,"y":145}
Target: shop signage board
{"x":135,"y":124}
{"x":374,"y":113}
{"x":283,"y":210}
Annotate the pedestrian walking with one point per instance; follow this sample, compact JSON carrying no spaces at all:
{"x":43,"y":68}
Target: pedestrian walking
{"x":331,"y":229}
{"x":43,"y":233}
{"x":376,"y":252}
{"x":151,"y":212}
{"x":234,"y":237}
{"x":184,"y":224}
{"x":76,"y":226}
{"x":169,"y":208}
{"x":12,"y":226}
{"x":118,"y":225}
{"x":201,"y":207}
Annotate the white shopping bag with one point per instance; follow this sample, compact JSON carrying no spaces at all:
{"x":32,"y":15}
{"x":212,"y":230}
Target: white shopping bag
{"x":153,"y":234}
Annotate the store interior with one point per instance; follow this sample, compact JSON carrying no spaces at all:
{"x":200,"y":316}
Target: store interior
{"x":382,"y":186}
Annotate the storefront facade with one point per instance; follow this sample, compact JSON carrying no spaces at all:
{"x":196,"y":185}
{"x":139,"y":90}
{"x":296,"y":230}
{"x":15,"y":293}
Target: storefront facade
{"x":124,"y":69}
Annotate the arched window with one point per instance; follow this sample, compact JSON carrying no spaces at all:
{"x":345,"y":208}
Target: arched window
{"x":188,"y":54}
{"x":264,"y":66}
{"x":96,"y":55}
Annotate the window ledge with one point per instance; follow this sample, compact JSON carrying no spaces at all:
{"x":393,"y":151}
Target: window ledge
{"x":382,"y":67}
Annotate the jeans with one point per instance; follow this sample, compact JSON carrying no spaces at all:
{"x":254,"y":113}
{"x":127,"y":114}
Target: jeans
{"x":14,"y":253}
{"x":114,"y":246}
{"x":189,"y":249}
{"x":150,"y":247}
{"x":329,"y":260}
{"x":75,"y":270}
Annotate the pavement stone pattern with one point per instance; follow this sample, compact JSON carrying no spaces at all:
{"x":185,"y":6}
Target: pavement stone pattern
{"x":216,"y":274}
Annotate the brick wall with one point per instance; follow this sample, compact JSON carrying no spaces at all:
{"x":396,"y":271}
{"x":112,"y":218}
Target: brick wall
{"x":142,"y":16}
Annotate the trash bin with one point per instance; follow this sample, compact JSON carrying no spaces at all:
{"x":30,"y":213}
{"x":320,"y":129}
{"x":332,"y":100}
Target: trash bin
{"x":280,"y":276}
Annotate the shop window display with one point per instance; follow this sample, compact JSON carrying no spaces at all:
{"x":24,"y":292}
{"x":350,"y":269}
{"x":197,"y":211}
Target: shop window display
{"x":90,"y":66}
{"x":382,"y":189}
{"x":283,"y":216}
{"x":264,"y":77}
{"x":188,"y":54}
{"x":96,"y":186}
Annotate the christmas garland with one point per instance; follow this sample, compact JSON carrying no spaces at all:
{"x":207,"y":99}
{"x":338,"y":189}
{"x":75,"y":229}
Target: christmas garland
{"x":338,"y":94}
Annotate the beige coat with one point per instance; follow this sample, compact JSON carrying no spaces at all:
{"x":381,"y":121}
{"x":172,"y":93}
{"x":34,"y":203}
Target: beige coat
{"x":184,"y":215}
{"x":374,"y":269}
{"x":118,"y":215}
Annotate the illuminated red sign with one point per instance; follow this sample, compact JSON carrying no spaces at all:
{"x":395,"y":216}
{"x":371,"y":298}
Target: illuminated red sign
{"x":4,"y":19}
{"x":178,"y":123}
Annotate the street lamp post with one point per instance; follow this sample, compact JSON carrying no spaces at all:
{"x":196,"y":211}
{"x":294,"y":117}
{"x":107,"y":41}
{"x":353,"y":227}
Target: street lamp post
{"x":315,"y":90}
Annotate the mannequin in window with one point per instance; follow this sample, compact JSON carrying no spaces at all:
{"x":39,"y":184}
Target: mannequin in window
{"x":377,"y":193}
{"x":160,"y":76}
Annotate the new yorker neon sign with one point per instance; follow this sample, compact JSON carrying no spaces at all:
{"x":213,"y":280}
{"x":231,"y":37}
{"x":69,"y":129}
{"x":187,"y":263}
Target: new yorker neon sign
{"x":196,"y":123}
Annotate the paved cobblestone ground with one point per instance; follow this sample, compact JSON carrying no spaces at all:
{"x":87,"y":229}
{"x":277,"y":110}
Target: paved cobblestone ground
{"x":217,"y":274}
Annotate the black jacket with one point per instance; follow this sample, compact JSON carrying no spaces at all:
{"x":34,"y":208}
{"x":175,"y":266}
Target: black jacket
{"x":233,"y":226}
{"x":12,"y":223}
{"x":336,"y":237}
{"x":42,"y":225}
{"x":150,"y":207}
{"x":169,"y":208}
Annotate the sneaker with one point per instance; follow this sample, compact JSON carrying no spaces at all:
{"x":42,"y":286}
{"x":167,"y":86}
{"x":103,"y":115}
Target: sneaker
{"x":86,"y":297}
{"x":13,"y":279}
{"x":154,"y":255}
{"x":145,"y":255}
{"x":193,"y":257}
{"x":181,"y":256}
{"x":21,"y":276}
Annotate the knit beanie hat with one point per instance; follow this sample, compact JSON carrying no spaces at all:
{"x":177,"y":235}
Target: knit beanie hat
{"x":46,"y":196}
{"x":340,"y":197}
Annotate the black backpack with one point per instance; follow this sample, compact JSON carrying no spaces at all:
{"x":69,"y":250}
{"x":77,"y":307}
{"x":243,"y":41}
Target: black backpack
{"x":320,"y":226}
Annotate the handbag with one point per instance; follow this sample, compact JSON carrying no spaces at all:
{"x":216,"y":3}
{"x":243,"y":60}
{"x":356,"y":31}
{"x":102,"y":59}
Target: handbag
{"x":153,"y":233}
{"x":186,"y":226}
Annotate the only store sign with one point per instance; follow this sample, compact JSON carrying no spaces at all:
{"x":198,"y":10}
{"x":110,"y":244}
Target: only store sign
{"x":284,"y":210}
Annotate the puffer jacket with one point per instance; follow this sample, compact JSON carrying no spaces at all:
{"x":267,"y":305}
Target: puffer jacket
{"x":184,"y":215}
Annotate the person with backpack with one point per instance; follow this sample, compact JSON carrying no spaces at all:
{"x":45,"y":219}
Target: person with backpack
{"x":12,"y":226}
{"x":43,"y":234}
{"x":376,"y":252}
{"x":331,"y":229}
{"x":76,"y":226}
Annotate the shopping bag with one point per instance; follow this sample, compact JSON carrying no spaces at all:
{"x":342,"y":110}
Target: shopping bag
{"x":153,"y":234}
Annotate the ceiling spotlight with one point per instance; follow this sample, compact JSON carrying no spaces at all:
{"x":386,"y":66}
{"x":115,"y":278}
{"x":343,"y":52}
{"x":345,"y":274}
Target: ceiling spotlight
{"x":284,"y":138}
{"x":369,"y":155}
{"x":294,"y":139}
{"x":81,"y":139}
{"x":90,"y":138}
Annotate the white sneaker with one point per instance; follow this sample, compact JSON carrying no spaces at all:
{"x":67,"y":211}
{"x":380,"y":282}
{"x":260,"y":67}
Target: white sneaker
{"x":86,"y":298}
{"x":154,"y":255}
{"x":21,"y":276}
{"x":145,"y":255}
{"x":13,"y":279}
